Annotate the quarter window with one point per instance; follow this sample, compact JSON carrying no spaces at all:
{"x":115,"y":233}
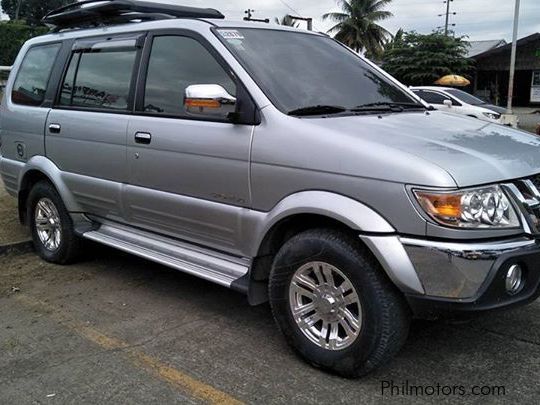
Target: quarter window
{"x":99,"y":80}
{"x":33,"y":77}
{"x":175,"y":63}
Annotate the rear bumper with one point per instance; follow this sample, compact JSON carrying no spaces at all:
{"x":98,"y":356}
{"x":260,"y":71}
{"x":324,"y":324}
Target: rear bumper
{"x":452,"y":277}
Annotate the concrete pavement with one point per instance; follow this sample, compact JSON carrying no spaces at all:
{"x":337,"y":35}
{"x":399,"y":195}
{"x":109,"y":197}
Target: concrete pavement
{"x":118,"y":329}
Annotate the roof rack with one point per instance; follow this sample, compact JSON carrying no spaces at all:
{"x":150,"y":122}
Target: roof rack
{"x":107,"y":12}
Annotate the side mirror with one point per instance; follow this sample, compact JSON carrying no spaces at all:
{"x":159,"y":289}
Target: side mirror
{"x":210,"y":100}
{"x":447,"y":103}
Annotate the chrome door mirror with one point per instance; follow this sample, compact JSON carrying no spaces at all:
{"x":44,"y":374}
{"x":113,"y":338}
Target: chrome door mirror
{"x":447,"y":103}
{"x":210,"y":100}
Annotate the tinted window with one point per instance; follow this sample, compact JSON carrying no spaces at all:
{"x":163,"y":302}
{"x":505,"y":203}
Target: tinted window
{"x":99,"y":80}
{"x":297,"y":70}
{"x":33,"y":76}
{"x":176,"y":63}
{"x":431,"y":97}
{"x":465,"y":97}
{"x":67,"y":86}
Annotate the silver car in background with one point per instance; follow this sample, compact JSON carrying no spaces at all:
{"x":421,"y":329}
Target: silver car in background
{"x":272,"y":161}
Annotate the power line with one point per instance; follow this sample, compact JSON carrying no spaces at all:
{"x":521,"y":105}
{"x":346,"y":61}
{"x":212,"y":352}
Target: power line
{"x":309,"y":20}
{"x":289,"y":7}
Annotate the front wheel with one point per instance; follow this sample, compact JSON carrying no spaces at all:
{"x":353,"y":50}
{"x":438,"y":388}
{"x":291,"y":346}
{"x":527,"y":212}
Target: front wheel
{"x":334,"y":305}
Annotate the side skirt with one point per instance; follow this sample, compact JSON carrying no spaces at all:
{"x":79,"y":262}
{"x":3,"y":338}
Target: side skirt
{"x":220,"y":268}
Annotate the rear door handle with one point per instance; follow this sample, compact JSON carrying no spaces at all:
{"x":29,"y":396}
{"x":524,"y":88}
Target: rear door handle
{"x":55,"y":128}
{"x":143,"y":137}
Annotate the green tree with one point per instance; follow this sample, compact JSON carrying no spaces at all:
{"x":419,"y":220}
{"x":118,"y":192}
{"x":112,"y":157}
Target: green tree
{"x":357,"y":25}
{"x":287,"y":20}
{"x":421,"y":59}
{"x":396,"y":41}
{"x":13,"y":34}
{"x":32,"y":11}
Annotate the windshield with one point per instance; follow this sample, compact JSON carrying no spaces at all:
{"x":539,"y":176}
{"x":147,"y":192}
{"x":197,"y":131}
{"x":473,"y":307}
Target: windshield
{"x":465,"y":97}
{"x":311,"y":73}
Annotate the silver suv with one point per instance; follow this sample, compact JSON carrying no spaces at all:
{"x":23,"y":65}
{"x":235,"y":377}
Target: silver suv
{"x":273,"y":161}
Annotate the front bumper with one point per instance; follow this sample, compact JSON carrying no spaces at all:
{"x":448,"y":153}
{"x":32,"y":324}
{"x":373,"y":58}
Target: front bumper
{"x":447,"y":277}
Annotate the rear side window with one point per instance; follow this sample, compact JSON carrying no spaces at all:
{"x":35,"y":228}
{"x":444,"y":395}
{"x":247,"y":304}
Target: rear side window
{"x":177,"y":62}
{"x":33,"y":76}
{"x":99,"y":80}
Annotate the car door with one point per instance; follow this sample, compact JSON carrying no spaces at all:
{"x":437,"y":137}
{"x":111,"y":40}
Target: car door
{"x":24,"y":110}
{"x":86,"y":129}
{"x":188,"y":175}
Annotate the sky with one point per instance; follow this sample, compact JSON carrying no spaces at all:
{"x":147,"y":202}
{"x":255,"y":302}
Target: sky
{"x":478,"y":19}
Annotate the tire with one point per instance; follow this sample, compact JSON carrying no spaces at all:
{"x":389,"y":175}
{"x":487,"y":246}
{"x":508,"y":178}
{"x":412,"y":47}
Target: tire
{"x":62,"y":245}
{"x":371,"y":330}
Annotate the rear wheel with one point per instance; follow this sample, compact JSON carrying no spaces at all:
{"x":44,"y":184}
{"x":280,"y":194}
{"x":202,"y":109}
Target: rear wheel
{"x":51,"y":226}
{"x":334,"y":305}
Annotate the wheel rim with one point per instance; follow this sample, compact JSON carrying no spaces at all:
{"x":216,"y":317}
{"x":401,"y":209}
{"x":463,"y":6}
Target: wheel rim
{"x":48,"y":226}
{"x":325,"y":305}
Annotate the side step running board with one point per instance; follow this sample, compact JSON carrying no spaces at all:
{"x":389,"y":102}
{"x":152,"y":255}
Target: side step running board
{"x":213,"y":266}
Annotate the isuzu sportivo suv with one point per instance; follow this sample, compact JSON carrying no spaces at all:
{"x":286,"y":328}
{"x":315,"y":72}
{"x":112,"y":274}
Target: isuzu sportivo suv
{"x":273,"y":161}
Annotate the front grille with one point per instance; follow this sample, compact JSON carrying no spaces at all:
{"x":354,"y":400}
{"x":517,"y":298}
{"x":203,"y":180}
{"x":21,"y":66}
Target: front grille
{"x":526,"y":193}
{"x":536,"y":181}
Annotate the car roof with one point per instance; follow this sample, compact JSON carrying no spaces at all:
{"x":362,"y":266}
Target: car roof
{"x":194,"y":24}
{"x":431,"y":88}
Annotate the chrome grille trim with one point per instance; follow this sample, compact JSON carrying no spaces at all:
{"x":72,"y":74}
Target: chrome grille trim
{"x":533,"y":189}
{"x":528,"y":206}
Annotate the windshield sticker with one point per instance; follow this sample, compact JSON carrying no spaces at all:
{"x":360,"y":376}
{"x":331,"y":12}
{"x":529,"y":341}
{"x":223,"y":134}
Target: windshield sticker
{"x":230,"y":34}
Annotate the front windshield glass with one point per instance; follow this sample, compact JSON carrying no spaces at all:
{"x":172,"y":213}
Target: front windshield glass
{"x":300,"y":70}
{"x":465,"y":97}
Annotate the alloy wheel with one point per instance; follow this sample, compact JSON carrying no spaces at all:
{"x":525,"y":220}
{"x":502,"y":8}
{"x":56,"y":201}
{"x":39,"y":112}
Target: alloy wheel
{"x":325,"y":305}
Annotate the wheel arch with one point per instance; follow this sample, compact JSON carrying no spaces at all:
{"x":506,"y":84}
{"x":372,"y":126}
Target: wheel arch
{"x":40,"y":168}
{"x":303,"y":211}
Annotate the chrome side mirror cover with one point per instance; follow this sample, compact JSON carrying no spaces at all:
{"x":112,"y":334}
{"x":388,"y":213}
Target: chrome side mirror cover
{"x":210,"y":100}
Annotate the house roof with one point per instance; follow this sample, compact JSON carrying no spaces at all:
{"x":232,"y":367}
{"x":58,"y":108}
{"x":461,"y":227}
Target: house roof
{"x":508,"y":47}
{"x":478,"y":47}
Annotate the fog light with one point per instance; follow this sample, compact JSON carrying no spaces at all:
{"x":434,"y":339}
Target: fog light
{"x":514,"y":279}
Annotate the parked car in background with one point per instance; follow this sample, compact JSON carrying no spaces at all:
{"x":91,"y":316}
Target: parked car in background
{"x":459,"y":102}
{"x":272,"y":161}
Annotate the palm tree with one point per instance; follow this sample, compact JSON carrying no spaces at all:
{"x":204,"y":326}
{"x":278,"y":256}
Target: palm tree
{"x":396,"y":41}
{"x":357,"y":25}
{"x":287,"y":20}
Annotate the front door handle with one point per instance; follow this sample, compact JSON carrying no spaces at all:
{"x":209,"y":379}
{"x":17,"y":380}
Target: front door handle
{"x":55,"y":128}
{"x":143,"y":137}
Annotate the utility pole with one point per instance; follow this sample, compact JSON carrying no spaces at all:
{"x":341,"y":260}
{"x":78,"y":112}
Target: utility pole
{"x":513,"y":59}
{"x":309,"y":21}
{"x":18,"y":9}
{"x":447,"y":17}
{"x":249,"y":12}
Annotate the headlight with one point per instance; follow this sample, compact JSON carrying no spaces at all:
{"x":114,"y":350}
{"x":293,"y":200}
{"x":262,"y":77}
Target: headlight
{"x":492,"y":116}
{"x":485,"y":207}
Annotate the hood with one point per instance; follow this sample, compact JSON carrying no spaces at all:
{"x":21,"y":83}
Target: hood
{"x":471,"y":151}
{"x":495,"y":108}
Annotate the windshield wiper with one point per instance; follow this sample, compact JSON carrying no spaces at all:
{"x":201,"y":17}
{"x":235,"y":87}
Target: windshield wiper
{"x":386,"y":106}
{"x":317,"y":110}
